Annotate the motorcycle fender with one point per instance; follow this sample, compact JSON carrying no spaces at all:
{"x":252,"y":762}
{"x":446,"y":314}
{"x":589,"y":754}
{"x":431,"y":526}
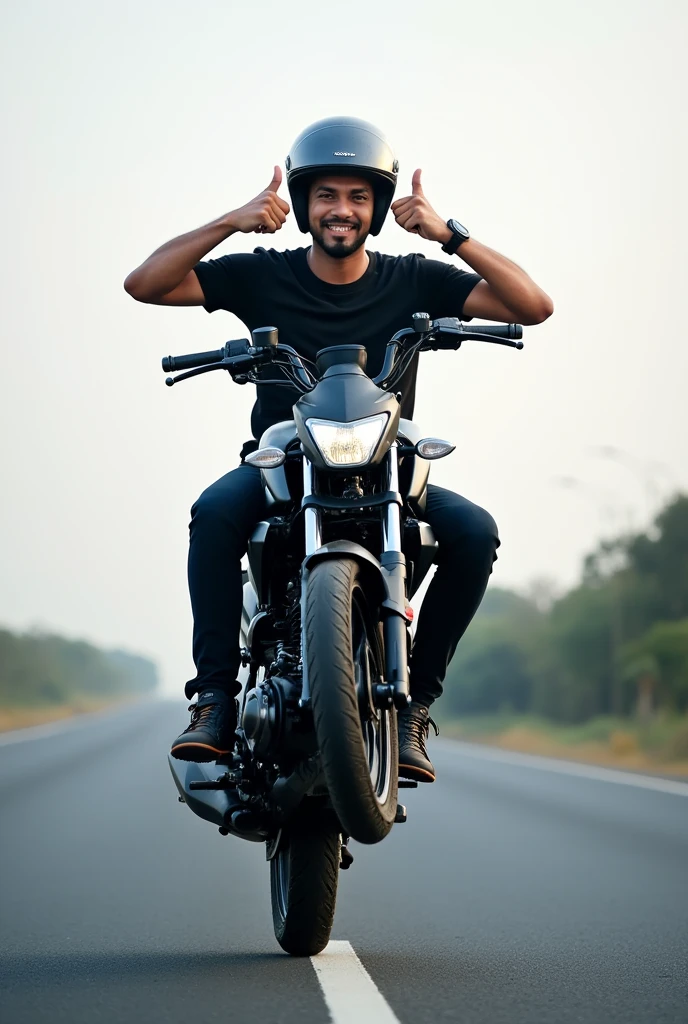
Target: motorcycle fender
{"x":379,"y":579}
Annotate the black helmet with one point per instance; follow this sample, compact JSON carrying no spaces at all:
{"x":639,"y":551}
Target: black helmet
{"x":342,"y":145}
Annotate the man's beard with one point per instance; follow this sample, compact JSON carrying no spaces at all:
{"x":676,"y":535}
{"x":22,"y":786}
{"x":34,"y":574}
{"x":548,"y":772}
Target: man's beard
{"x":338,"y":250}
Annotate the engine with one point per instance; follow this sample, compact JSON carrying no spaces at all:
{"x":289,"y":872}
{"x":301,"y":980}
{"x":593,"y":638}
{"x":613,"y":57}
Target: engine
{"x":272,"y":717}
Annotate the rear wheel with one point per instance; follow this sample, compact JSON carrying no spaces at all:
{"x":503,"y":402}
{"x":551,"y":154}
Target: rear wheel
{"x":303,"y":882}
{"x":358,"y":742}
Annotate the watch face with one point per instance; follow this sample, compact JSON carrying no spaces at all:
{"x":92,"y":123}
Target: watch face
{"x":458,"y":228}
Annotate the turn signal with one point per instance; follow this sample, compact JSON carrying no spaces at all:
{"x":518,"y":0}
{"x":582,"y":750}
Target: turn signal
{"x":266,"y":458}
{"x":433,"y":448}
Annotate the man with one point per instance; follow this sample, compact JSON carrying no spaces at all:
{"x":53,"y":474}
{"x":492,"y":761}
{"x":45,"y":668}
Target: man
{"x":341,"y":175}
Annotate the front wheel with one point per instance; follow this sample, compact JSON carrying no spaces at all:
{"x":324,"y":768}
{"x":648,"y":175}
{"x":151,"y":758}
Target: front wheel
{"x":303,"y":882}
{"x":358,"y":742}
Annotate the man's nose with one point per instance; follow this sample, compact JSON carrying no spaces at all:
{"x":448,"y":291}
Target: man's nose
{"x":343,"y":209}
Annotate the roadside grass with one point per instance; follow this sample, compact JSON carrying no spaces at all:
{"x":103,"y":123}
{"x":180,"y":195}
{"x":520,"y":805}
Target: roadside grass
{"x":660,"y":744}
{"x":23,"y":717}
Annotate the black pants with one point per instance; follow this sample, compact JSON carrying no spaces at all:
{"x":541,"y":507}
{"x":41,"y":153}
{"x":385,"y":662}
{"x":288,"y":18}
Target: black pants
{"x":222,"y":521}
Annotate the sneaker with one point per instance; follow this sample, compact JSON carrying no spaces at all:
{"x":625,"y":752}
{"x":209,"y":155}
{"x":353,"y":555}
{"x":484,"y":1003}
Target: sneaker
{"x":414,"y":724}
{"x":211,"y":732}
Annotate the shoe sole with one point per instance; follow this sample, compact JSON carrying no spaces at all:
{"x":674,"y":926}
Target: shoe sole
{"x":190,"y":751}
{"x":409,"y":771}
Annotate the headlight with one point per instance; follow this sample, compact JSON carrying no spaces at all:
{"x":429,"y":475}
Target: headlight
{"x":347,"y":444}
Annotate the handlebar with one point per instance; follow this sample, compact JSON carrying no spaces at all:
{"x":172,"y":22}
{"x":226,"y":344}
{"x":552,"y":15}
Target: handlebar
{"x":503,"y":331}
{"x":241,"y":357}
{"x":497,"y":331}
{"x":189,"y":362}
{"x":172,"y":363}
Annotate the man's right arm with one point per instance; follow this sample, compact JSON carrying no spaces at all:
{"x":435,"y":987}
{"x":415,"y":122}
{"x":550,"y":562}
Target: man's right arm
{"x":167,"y":277}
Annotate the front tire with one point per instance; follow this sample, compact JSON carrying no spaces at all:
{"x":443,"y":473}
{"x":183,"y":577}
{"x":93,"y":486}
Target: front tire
{"x":303,"y":882}
{"x":358,"y":742}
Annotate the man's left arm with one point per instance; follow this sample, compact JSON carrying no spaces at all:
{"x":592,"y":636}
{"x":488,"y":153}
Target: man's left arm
{"x":506,"y":292}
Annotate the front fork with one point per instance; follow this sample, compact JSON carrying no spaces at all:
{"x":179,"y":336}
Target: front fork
{"x":313,"y":538}
{"x":395,"y":688}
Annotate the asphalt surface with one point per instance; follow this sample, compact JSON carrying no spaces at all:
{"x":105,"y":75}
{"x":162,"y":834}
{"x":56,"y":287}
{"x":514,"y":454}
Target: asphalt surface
{"x":512,"y":894}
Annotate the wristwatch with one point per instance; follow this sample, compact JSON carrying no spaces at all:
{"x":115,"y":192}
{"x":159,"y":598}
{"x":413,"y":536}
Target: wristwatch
{"x":459,"y":235}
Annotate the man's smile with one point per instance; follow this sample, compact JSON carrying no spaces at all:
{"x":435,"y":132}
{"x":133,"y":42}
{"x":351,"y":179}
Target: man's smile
{"x":340,"y":229}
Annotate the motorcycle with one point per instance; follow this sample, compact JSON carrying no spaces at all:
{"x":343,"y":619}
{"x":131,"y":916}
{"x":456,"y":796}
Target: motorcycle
{"x":326,"y":620}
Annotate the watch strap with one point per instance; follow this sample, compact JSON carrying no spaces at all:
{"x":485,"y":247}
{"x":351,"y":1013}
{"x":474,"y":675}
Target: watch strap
{"x":454,"y":242}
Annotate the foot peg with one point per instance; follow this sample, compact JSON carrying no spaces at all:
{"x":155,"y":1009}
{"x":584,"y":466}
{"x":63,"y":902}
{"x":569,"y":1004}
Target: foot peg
{"x":346,"y":858}
{"x":401,"y":815}
{"x":226,"y":781}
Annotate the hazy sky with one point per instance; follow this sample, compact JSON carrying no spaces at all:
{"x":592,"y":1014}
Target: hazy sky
{"x":555,"y":131}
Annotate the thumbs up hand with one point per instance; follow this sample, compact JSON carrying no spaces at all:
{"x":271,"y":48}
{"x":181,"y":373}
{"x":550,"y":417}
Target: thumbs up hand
{"x":266,"y":213}
{"x":415,"y":214}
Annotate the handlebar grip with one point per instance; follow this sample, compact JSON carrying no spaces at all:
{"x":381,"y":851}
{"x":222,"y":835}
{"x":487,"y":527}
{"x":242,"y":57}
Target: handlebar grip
{"x":498,"y":331}
{"x":193,"y":359}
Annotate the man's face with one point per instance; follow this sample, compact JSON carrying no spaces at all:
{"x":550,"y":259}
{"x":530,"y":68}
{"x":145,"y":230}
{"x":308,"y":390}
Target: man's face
{"x":340,"y":211}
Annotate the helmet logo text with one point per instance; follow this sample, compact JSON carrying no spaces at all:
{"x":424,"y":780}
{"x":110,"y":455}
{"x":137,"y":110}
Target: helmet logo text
{"x":343,"y":154}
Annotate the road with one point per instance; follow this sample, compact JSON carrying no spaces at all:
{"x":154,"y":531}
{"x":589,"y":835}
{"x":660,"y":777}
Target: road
{"x":514,"y":893}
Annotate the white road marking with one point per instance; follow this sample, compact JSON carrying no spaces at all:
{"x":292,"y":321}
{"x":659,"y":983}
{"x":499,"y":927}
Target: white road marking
{"x":351,"y":995}
{"x":585,"y":771}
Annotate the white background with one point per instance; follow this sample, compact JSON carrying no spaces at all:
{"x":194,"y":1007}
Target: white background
{"x":556,"y":132}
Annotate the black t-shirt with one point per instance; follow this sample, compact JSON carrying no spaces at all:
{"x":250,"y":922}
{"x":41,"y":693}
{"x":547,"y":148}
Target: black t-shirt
{"x":267,"y":288}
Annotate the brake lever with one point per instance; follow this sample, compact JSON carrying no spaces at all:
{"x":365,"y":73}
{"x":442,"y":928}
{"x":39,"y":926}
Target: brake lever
{"x":466,"y":336}
{"x":169,"y":381}
{"x":508,"y":342}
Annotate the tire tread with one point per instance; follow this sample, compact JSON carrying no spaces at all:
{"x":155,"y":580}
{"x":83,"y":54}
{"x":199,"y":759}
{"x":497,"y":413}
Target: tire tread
{"x":329,"y":596}
{"x":313,"y":847}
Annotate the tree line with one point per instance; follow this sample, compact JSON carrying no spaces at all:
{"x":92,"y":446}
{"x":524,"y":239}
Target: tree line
{"x":616,"y":644}
{"x":38,"y":669}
